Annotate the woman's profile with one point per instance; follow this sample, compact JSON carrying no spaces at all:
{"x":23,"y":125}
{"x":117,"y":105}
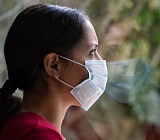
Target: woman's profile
{"x":51,"y":55}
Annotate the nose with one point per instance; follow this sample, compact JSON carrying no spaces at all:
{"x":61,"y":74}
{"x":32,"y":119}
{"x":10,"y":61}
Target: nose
{"x":98,"y":57}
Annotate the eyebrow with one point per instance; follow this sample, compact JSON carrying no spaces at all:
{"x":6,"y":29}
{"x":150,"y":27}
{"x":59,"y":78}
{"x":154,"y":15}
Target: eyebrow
{"x":94,"y":44}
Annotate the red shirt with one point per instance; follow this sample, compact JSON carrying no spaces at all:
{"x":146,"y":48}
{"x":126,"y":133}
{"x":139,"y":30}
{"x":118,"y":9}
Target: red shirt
{"x":29,"y":126}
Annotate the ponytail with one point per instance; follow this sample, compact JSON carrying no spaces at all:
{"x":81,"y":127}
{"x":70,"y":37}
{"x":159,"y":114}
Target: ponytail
{"x":8,"y":103}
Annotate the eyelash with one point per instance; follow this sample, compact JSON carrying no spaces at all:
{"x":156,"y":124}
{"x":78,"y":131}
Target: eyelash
{"x":92,"y":52}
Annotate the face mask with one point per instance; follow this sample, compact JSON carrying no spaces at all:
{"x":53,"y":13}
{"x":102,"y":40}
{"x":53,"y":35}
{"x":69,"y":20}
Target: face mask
{"x":87,"y":92}
{"x":125,"y":77}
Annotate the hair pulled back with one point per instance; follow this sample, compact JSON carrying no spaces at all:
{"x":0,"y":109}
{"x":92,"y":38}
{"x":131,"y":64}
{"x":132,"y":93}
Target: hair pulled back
{"x":36,"y":31}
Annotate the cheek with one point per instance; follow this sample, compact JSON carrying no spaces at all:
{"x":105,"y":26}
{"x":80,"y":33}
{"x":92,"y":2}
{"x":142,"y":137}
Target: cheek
{"x":80,"y":74}
{"x":74,"y":75}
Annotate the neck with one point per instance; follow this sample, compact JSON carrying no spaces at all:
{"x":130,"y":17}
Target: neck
{"x":55,"y":114}
{"x":50,"y":108}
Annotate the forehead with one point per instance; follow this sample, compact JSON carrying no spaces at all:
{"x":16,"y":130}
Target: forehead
{"x":90,"y":37}
{"x":89,"y":40}
{"x":89,"y":33}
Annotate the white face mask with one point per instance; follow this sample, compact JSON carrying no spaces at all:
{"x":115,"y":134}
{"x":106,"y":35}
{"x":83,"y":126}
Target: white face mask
{"x":87,"y":92}
{"x":126,"y":78}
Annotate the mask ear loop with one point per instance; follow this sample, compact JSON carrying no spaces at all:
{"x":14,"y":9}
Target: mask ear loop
{"x":71,"y":60}
{"x":64,"y":83}
{"x":76,"y":63}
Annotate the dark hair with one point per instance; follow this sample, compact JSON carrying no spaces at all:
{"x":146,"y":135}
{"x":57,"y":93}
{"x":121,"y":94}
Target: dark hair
{"x":36,"y":31}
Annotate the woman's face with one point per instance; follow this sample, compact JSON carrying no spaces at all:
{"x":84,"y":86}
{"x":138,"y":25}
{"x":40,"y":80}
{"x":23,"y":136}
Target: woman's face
{"x":73,"y":74}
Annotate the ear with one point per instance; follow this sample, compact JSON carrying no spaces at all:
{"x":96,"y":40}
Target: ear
{"x":51,"y":62}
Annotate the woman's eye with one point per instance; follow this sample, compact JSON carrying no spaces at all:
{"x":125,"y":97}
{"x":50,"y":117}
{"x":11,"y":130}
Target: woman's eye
{"x":92,"y":52}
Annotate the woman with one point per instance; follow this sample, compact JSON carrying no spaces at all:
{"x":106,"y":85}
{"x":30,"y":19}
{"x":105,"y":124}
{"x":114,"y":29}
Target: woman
{"x":51,"y":55}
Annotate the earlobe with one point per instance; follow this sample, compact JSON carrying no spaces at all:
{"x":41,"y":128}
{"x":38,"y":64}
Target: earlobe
{"x":51,"y":61}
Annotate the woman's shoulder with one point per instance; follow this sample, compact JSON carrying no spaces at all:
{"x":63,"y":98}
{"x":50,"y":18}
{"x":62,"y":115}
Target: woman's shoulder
{"x":28,"y":126}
